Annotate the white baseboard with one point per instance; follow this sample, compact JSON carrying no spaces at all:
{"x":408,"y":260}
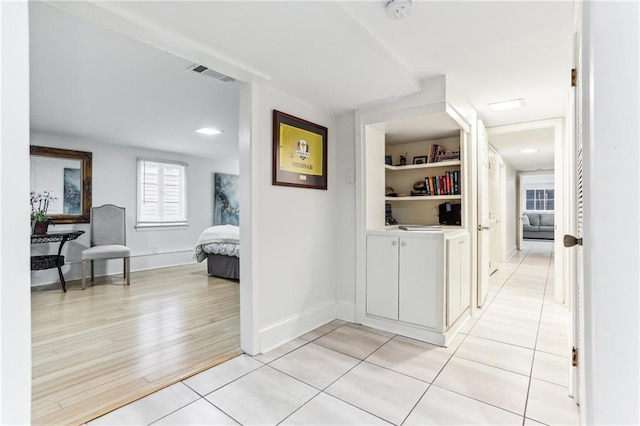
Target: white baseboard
{"x":294,"y":326}
{"x":511,"y":252}
{"x":141,"y":262}
{"x":346,"y":311}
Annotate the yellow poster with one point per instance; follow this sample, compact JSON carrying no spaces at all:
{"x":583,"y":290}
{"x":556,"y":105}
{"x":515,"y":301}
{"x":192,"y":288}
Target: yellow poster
{"x":300,"y":150}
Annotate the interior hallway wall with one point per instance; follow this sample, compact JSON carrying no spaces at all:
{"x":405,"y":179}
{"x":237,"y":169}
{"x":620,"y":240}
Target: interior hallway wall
{"x":511,"y":220}
{"x":293,"y":231}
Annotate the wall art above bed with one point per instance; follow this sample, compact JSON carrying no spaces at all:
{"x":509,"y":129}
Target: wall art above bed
{"x":226,"y":199}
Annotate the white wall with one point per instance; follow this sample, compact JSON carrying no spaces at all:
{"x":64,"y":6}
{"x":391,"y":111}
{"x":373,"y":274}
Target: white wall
{"x":293,"y":231}
{"x":611,"y":242}
{"x":15,"y":318}
{"x":114,"y":182}
{"x":345,"y":220}
{"x":510,"y":218}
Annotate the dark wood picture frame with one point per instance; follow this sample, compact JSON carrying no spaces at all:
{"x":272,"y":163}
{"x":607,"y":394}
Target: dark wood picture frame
{"x":85,"y":161}
{"x":297,"y":161}
{"x":420,"y":159}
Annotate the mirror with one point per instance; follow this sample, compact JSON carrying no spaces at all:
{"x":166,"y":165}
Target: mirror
{"x":68,"y":174}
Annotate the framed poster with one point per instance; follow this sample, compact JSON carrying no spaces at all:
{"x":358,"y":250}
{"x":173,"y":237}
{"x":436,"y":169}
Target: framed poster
{"x":299,"y":152}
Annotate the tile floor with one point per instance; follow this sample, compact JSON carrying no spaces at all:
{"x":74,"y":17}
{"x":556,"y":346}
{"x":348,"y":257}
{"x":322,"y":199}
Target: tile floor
{"x":509,"y":366}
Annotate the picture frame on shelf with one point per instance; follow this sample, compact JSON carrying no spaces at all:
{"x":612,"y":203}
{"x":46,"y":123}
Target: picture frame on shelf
{"x":388,"y":160}
{"x":299,"y":152}
{"x":420,"y":159}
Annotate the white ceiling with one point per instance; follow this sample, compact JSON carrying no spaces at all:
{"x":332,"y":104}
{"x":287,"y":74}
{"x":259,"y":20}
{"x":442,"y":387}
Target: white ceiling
{"x":510,"y":144}
{"x":336,"y":55}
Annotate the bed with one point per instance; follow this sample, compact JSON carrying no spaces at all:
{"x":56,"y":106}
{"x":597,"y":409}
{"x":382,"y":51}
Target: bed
{"x":220,"y":245}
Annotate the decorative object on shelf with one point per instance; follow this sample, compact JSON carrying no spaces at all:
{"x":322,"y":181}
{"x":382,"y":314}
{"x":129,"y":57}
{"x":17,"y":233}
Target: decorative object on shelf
{"x":388,"y":160}
{"x":389,"y":192}
{"x":299,"y":152}
{"x":421,"y":159}
{"x":39,"y":206}
{"x":403,"y":159}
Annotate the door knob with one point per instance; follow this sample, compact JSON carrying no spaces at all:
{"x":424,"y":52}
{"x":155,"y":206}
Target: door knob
{"x":570,"y":241}
{"x":483,"y":228}
{"x":394,"y":242}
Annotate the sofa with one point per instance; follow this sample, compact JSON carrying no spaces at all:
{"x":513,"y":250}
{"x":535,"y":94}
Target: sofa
{"x":538,"y":226}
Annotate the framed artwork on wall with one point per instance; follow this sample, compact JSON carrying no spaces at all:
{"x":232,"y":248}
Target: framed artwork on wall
{"x":226,"y":199}
{"x":299,"y":152}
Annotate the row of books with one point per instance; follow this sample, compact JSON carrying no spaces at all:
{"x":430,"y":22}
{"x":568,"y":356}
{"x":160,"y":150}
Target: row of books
{"x":447,"y":184}
{"x":437,"y":154}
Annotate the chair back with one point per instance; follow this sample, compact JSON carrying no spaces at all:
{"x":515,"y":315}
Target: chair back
{"x":108,"y":225}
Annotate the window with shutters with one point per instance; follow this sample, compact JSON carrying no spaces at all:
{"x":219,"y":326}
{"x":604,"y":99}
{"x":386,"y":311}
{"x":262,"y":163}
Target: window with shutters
{"x":540,"y":199}
{"x":162,"y":193}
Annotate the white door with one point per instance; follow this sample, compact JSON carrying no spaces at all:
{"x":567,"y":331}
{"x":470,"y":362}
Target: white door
{"x":577,"y":373}
{"x":382,"y":276}
{"x":484,"y":225}
{"x":494,"y":211}
{"x":418,"y":284}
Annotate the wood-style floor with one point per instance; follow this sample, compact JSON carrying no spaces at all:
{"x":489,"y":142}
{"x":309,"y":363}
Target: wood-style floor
{"x":98,"y":349}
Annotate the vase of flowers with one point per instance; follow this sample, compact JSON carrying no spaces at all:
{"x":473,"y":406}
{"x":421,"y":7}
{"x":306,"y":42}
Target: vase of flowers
{"x":39,"y":206}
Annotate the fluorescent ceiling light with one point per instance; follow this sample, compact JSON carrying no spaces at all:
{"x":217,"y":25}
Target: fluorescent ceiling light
{"x":501,"y":106}
{"x":529,"y":150}
{"x":208,"y":131}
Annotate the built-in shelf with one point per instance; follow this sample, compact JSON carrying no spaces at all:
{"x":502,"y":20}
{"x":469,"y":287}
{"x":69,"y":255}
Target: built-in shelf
{"x":424,"y":166}
{"x":424,"y":198}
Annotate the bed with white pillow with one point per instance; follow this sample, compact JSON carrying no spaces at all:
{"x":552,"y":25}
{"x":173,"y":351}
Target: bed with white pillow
{"x":220,"y":245}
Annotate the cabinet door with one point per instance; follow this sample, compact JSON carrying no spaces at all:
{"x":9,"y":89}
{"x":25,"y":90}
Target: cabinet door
{"x":453,"y":280}
{"x":382,"y":276}
{"x":418,"y":280}
{"x":465,"y":273}
{"x":458,"y":276}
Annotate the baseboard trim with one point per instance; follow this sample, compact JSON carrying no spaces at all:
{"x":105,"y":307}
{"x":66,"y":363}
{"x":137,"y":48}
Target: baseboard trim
{"x":294,"y":326}
{"x":346,"y":311}
{"x":511,"y":252}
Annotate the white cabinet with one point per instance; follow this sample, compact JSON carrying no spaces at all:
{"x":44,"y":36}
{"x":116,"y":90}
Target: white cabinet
{"x":401,"y":279}
{"x":458,"y":285}
{"x":418,"y":282}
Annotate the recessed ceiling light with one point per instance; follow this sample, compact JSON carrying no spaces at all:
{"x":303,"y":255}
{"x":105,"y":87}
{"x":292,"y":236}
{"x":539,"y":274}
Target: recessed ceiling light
{"x":529,"y":150}
{"x":208,"y":131}
{"x":501,"y":106}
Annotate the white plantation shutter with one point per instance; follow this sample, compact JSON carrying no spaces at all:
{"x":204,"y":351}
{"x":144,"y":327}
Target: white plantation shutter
{"x":161,"y":193}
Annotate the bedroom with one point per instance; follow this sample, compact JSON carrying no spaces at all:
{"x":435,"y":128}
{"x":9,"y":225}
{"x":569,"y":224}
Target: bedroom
{"x":120,"y":111}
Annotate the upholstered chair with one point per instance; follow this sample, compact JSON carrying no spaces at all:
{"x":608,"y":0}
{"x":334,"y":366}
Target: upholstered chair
{"x":108,"y":239}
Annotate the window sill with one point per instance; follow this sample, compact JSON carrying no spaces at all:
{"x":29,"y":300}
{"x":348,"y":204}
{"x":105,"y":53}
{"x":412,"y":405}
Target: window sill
{"x":161,"y":226}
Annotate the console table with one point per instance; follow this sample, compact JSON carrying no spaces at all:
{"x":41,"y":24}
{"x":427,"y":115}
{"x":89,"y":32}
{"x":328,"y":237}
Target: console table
{"x":52,"y":260}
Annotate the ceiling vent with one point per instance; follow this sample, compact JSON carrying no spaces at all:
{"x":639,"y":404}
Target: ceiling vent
{"x":201,"y":69}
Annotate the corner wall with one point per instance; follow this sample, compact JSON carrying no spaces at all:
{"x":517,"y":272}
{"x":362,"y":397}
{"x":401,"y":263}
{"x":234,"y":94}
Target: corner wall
{"x":114,"y":182}
{"x":293,"y":231}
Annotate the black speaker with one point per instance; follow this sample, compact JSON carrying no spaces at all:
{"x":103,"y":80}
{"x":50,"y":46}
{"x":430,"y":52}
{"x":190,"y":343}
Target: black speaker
{"x":449,"y":214}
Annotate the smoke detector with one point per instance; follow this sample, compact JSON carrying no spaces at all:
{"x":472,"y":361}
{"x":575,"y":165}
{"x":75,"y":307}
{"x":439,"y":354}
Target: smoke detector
{"x":201,"y":69}
{"x":399,"y":9}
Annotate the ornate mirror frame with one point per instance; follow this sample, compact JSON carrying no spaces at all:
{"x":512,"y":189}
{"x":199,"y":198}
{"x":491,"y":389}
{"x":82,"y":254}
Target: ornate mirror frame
{"x":85,"y":159}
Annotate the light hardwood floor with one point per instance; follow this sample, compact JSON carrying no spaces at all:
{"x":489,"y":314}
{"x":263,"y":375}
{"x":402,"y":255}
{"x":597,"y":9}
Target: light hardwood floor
{"x":101,"y":348}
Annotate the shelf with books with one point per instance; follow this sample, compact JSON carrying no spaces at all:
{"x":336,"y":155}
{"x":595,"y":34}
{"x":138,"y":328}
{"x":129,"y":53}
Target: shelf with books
{"x":424,"y":198}
{"x":448,"y":163}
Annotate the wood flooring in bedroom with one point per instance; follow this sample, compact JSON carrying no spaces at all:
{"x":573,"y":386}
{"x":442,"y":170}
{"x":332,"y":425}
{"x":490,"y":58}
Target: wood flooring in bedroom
{"x":101,"y":348}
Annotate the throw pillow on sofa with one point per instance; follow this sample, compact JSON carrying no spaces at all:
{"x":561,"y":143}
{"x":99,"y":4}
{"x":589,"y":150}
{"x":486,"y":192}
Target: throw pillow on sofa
{"x":525,"y":220}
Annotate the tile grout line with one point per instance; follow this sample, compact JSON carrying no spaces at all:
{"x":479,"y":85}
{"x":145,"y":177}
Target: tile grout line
{"x":526,"y":402}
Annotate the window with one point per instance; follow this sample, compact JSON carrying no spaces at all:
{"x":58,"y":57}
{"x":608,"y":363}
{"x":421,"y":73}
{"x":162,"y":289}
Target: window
{"x":540,"y":199}
{"x":162,"y":193}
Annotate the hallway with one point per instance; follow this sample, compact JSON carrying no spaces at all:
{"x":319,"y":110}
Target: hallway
{"x":509,"y":366}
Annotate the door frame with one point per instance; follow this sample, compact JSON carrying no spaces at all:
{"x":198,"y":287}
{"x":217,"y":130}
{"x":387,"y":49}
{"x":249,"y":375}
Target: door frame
{"x":562,"y":188}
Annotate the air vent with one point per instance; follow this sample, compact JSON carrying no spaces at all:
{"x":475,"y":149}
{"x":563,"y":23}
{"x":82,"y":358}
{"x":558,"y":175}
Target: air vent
{"x":201,"y":69}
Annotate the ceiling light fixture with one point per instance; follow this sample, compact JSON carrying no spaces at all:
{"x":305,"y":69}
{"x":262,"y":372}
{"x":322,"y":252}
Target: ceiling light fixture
{"x":529,"y":150}
{"x":501,"y":106}
{"x":399,"y":9}
{"x":208,"y":131}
